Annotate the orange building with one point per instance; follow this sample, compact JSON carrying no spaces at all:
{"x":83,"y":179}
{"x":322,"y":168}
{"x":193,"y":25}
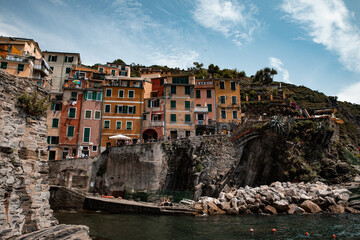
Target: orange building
{"x":122,"y":110}
{"x":179,"y":106}
{"x":227,"y":103}
{"x":116,"y":70}
{"x":22,"y":57}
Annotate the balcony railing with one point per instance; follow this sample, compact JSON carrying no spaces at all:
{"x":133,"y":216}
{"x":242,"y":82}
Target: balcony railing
{"x":201,"y":109}
{"x":41,"y":68}
{"x":157,"y":123}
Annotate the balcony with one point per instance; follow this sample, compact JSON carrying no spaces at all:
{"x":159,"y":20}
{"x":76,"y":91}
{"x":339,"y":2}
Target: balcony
{"x":201,"y":109}
{"x":157,"y":123}
{"x":41,"y":68}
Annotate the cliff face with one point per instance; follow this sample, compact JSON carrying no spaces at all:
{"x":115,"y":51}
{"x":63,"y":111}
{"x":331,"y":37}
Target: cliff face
{"x":24,"y":188}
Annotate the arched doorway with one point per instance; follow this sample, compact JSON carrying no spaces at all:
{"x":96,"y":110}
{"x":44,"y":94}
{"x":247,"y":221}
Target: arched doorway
{"x":150,"y":135}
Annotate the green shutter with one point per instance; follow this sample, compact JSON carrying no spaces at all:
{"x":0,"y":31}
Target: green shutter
{"x":86,"y":93}
{"x":134,"y":110}
{"x":173,"y":117}
{"x":187,"y":118}
{"x":48,"y":139}
{"x":52,"y":106}
{"x":198,"y":94}
{"x":187,"y":104}
{"x":70,"y":131}
{"x":72,"y":112}
{"x":86,"y":135}
{"x":55,"y":123}
{"x":149,"y":103}
{"x":94,"y":95}
{"x":209,"y":107}
{"x":173,"y":104}
{"x":208,"y":93}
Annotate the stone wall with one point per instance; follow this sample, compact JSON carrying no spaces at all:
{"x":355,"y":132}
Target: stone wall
{"x":24,"y":186}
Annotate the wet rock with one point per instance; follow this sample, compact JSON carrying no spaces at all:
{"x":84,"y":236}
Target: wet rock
{"x":310,"y":207}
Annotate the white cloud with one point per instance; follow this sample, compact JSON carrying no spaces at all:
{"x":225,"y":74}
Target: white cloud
{"x":278,"y":65}
{"x":350,"y":93}
{"x":330,"y":23}
{"x":229,"y":17}
{"x":175,"y":58}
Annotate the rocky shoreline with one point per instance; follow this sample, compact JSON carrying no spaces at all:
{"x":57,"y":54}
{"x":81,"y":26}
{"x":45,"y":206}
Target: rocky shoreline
{"x":285,"y":198}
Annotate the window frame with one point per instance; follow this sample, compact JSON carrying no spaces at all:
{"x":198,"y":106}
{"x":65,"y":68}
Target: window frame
{"x":116,"y":126}
{"x":67,"y":131}
{"x":52,"y":123}
{"x":95,"y":111}
{"x":2,"y":65}
{"x":187,"y":104}
{"x":221,"y":99}
{"x":189,"y":118}
{"x":221,"y":113}
{"x":106,"y":92}
{"x":88,"y":110}
{"x":70,"y":111}
{"x":235,"y":112}
{"x":123,"y":93}
{"x":231,"y":86}
{"x":198,"y":93}
{"x":131,"y":125}
{"x":109,"y":108}
{"x":173,"y":118}
{"x":104,"y":127}
{"x":84,"y":135}
{"x":173,"y":104}
{"x":222,"y":85}
{"x":232,"y":100}
{"x":132,"y":92}
{"x":173,"y":90}
{"x":207,"y":93}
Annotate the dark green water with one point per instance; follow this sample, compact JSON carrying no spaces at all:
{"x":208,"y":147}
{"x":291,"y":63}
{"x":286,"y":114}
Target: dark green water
{"x":125,"y":226}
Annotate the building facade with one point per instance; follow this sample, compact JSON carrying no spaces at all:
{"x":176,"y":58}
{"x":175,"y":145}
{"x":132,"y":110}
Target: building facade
{"x":205,"y":114}
{"x":179,"y":106}
{"x":227,"y":103}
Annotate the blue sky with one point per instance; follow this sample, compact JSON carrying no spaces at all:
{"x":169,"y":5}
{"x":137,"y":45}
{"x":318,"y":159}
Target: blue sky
{"x":311,"y":43}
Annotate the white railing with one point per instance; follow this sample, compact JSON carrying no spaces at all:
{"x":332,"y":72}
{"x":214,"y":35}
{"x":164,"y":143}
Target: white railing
{"x":201,"y":109}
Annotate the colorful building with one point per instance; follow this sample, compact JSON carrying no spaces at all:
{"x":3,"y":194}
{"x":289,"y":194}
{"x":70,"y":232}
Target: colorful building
{"x":61,"y":64}
{"x":205,"y":114}
{"x":22,"y":57}
{"x":122,"y":110}
{"x":154,"y":113}
{"x":179,"y":106}
{"x":114,"y":70}
{"x":227,"y":103}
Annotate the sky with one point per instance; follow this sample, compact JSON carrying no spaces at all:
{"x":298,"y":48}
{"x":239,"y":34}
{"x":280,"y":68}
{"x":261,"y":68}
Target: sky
{"x":310,"y":43}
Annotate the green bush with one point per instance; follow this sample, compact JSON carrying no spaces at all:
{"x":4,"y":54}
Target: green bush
{"x":33,"y":104}
{"x":350,"y":158}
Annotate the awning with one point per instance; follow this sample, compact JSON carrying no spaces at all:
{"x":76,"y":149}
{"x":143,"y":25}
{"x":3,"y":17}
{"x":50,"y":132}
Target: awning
{"x":120,"y":136}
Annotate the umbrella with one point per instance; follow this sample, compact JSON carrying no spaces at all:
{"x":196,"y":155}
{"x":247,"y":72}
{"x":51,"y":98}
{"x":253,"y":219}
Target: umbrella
{"x":77,"y":82}
{"x":120,"y":136}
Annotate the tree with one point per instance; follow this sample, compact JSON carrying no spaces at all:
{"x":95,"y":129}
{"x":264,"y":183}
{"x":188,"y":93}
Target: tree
{"x":198,"y":70}
{"x":213,"y":70}
{"x":119,"y":62}
{"x":265,"y":76}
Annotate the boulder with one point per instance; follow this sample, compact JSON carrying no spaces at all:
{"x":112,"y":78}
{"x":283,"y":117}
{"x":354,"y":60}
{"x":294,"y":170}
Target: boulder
{"x":225,"y":205}
{"x":292,"y":208}
{"x":310,"y":207}
{"x":233,"y":211}
{"x":281,"y":205}
{"x":212,"y":208}
{"x":229,"y":195}
{"x":299,"y":210}
{"x":337,"y":208}
{"x":270,"y":209}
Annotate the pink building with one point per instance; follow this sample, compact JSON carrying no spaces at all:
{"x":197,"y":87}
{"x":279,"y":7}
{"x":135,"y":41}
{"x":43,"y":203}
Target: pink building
{"x":205,"y":114}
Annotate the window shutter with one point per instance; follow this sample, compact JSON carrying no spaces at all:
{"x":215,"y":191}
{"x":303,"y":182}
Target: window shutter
{"x":149,"y":103}
{"x":94,"y":95}
{"x":158,"y":103}
{"x":134,"y":111}
{"x":116,"y":108}
{"x":86,"y":95}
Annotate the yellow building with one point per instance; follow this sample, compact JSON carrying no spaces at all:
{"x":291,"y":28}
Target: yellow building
{"x":227,"y":104}
{"x":22,"y":57}
{"x":122,"y":110}
{"x":179,"y":106}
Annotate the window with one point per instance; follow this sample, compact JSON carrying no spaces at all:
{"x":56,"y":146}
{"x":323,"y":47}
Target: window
{"x":20,"y":67}
{"x":222,"y":85}
{"x":52,"y":68}
{"x":106,"y":124}
{"x":173,"y":89}
{"x":173,"y":104}
{"x":200,"y":116}
{"x":161,"y":81}
{"x":101,"y":70}
{"x":69,"y":59}
{"x":87,"y":114}
{"x":187,"y":104}
{"x":118,"y":124}
{"x":233,"y":100}
{"x":121,"y":93}
{"x":73,"y":96}
{"x":119,"y":109}
{"x":108,"y":92}
{"x":173,"y":117}
{"x":208,"y":93}
{"x":56,"y":106}
{"x":107,"y":108}
{"x":222,"y":99}
{"x":129,"y":125}
{"x":154,"y":103}
{"x":187,"y":118}
{"x":131,"y":94}
{"x":97,"y":115}
{"x":70,"y":131}
{"x":223,"y":114}
{"x":94,"y":148}
{"x":55,"y":123}
{"x":233,"y":86}
{"x":88,"y":95}
{"x":3,"y":65}
{"x":235,"y":115}
{"x":209,"y":107}
{"x":187,"y":90}
{"x":52,"y":155}
{"x":198,"y":94}
{"x":113,"y":72}
{"x":131,"y":109}
{"x":123,"y":68}
{"x":180,"y":80}
{"x":98,"y":96}
{"x":67,"y":70}
{"x":144,"y":117}
{"x":52,"y":140}
{"x":72,"y":112}
{"x":86,"y":137}
{"x":198,"y":105}
{"x":52,"y":58}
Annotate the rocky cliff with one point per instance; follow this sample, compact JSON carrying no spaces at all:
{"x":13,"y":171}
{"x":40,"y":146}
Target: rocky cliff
{"x":24,"y":186}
